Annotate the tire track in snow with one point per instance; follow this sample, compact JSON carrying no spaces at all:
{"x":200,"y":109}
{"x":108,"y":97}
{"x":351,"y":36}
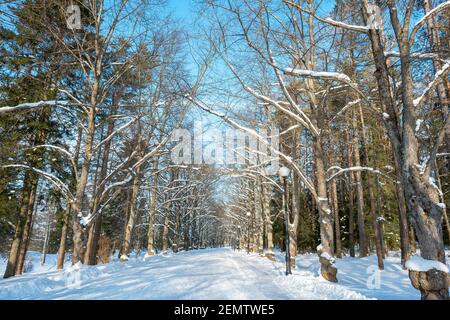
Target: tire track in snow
{"x":250,"y":268}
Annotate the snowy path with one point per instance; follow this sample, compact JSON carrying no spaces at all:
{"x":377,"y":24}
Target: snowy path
{"x":200,"y":274}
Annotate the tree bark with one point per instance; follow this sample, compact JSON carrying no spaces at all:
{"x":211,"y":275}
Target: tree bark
{"x":259,"y":213}
{"x":65,"y":227}
{"x":39,"y":138}
{"x":21,"y":220}
{"x":151,"y":216}
{"x":62,"y":243}
{"x":77,"y":254}
{"x":405,"y":241}
{"x":442,"y":199}
{"x":326,"y":251}
{"x":266,"y":192}
{"x":27,"y":228}
{"x":337,"y":227}
{"x":165,"y":234}
{"x":47,"y":233}
{"x":373,"y":203}
{"x":131,"y":217}
{"x":351,"y":222}
{"x":363,"y":249}
{"x":293,"y":224}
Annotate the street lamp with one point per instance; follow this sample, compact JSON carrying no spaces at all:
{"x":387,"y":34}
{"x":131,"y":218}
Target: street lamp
{"x":248,"y":214}
{"x":284,"y":173}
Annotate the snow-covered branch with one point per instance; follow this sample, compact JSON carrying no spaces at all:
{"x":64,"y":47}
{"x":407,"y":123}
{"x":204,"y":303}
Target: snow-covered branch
{"x":53,"y":179}
{"x":125,"y":126}
{"x":316,"y":74}
{"x":31,"y":106}
{"x":437,"y":78}
{"x":425,"y":19}
{"x":416,"y":55}
{"x":64,"y":152}
{"x":330,"y":21}
{"x":346,"y":107}
{"x":340,"y":171}
{"x":301,"y":118}
{"x":334,"y":76}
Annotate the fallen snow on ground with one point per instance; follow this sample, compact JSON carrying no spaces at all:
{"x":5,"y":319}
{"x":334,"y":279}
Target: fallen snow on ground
{"x":209,"y":274}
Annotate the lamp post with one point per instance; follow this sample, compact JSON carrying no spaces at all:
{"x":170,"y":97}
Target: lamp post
{"x":248,"y":231}
{"x":284,"y":173}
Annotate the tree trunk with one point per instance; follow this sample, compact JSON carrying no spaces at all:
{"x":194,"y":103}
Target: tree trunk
{"x":151,"y":217}
{"x":267,"y":221}
{"x":21,"y":220}
{"x":373,"y":203}
{"x":259,"y":216}
{"x":379,"y":214}
{"x":131,"y":217}
{"x":295,"y":217}
{"x":26,"y":219}
{"x":363,"y":252}
{"x":351,"y":222}
{"x":442,"y":199}
{"x":77,"y":254}
{"x":138,"y":237}
{"x":176,"y":234}
{"x":62,"y":243}
{"x":337,"y":227}
{"x":325,"y":251}
{"x":27,"y":228}
{"x":90,"y":255}
{"x":412,"y":241}
{"x":405,"y":241}
{"x":165,"y":235}
{"x":47,"y":234}
{"x":65,"y":227}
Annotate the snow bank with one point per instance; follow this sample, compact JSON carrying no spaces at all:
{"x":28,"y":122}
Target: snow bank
{"x":417,"y":263}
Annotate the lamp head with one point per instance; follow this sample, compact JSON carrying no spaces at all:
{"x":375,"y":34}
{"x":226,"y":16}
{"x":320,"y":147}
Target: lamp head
{"x":284,"y":172}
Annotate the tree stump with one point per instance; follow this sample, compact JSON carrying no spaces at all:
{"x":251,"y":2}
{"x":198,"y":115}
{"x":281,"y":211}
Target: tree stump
{"x":327,"y":268}
{"x":270,"y":256}
{"x":432,"y":284}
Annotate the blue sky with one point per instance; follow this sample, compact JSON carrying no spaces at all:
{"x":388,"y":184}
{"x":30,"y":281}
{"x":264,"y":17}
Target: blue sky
{"x":183,"y":9}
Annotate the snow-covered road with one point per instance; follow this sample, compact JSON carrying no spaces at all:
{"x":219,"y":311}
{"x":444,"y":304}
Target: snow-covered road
{"x":202,"y":274}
